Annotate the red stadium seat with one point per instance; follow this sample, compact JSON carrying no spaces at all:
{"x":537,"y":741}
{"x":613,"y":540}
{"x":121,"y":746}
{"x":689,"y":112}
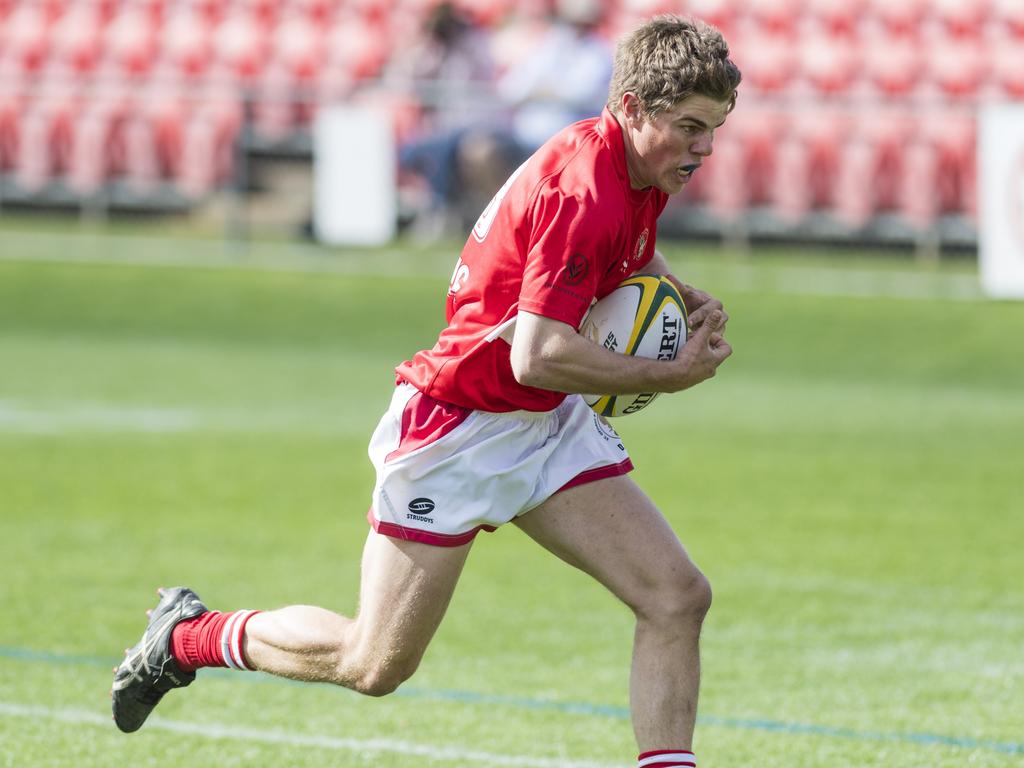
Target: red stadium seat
{"x":768,"y":62}
{"x":807,"y":164}
{"x":724,"y":180}
{"x":741,"y":171}
{"x":76,"y":37}
{"x":266,"y":12}
{"x":186,"y":40}
{"x":958,"y":68}
{"x":1006,"y":65}
{"x":1009,"y":16}
{"x":869,"y":174}
{"x":131,"y":41}
{"x":775,"y":17}
{"x":836,"y":18}
{"x":141,"y":162}
{"x":757,"y":135}
{"x":899,"y":17}
{"x":166,"y":110}
{"x":892,"y":65}
{"x":360,"y":47}
{"x":24,"y":37}
{"x":317,"y":11}
{"x":90,"y":159}
{"x":240,"y":45}
{"x":12,"y":105}
{"x":723,"y":14}
{"x":962,"y":18}
{"x":830,"y":65}
{"x":274,"y":110}
{"x":197,"y":175}
{"x":42,"y":147}
{"x":207,"y":146}
{"x":939,"y":168}
{"x":299,"y":49}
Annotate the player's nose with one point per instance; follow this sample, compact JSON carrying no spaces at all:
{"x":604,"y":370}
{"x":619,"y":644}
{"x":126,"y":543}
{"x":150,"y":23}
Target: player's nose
{"x":703,"y":146}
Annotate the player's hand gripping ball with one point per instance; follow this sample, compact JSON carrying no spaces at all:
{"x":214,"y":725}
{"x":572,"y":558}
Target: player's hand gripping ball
{"x":644,"y":316}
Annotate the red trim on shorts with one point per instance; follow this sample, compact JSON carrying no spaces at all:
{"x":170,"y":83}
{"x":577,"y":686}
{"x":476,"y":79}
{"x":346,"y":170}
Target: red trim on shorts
{"x":599,"y":473}
{"x":424,"y":421}
{"x":425,"y":537}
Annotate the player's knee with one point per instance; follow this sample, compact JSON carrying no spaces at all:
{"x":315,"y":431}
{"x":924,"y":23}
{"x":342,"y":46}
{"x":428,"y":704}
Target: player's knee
{"x":384,"y":677}
{"x":679,"y":602}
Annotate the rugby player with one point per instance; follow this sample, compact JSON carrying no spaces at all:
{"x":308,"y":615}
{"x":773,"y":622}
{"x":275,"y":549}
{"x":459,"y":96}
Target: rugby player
{"x":488,"y":427}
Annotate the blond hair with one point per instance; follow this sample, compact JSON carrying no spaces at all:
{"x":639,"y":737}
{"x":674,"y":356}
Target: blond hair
{"x":670,"y":58}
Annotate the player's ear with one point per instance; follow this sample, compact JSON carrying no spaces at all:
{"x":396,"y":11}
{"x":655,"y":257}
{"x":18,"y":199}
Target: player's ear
{"x":632,"y":108}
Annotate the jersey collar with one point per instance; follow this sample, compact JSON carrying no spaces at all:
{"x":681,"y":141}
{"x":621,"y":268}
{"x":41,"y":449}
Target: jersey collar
{"x":610,"y":129}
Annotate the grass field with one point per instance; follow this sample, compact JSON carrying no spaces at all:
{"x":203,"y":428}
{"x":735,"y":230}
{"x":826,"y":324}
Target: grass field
{"x":852,"y":482}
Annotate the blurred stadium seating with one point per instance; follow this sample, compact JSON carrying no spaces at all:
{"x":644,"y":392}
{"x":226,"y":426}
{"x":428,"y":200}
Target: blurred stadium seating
{"x":856,"y":117}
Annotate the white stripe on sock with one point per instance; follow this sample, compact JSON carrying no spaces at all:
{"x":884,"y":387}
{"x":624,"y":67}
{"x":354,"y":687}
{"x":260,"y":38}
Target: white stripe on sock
{"x":235,"y":645}
{"x":225,"y":642}
{"x":672,"y":758}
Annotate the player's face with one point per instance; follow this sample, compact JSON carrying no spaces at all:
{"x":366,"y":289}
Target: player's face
{"x":664,"y":151}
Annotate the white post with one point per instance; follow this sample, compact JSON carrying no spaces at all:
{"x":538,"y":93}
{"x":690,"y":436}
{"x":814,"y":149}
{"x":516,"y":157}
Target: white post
{"x":354,"y":177}
{"x":1001,"y":200}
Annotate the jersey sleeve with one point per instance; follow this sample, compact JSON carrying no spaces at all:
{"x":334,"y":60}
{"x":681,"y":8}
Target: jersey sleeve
{"x":569,"y":246}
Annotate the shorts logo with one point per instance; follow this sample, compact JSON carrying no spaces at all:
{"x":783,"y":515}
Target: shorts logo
{"x":421,"y":506}
{"x":576,"y":269}
{"x":608,"y":432}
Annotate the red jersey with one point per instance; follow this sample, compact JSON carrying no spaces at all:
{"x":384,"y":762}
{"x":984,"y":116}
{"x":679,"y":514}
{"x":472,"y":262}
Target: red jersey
{"x":564,"y":230}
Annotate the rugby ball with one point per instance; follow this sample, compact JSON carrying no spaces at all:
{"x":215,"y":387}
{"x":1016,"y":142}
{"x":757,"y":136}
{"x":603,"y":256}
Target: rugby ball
{"x":644,"y":316}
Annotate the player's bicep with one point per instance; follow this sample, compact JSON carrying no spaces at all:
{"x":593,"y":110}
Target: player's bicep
{"x":564,"y":259}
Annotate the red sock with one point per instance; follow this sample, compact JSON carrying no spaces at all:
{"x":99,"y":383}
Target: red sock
{"x":667,"y":758}
{"x":213,"y":639}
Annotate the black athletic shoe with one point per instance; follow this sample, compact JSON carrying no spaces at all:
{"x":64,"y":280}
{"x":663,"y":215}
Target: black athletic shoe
{"x":148,"y":670}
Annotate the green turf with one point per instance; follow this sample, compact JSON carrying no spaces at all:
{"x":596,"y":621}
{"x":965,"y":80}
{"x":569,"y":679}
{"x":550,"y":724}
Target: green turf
{"x":851,"y":482}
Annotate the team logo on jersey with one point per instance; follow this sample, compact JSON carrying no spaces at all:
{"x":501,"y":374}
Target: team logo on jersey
{"x":641,"y":244}
{"x":576,"y":269}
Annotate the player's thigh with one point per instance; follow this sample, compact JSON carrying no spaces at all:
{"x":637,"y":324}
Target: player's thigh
{"x":611,"y":530}
{"x":405,"y":589}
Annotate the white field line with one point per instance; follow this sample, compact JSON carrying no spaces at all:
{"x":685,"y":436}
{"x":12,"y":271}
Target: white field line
{"x":452,"y":755}
{"x":151,"y":251}
{"x":24,"y":418}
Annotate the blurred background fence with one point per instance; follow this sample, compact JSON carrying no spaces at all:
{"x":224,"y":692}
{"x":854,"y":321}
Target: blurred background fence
{"x":857,"y":119}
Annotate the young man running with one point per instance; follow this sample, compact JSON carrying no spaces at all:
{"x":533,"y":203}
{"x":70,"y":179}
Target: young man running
{"x":488,"y":426}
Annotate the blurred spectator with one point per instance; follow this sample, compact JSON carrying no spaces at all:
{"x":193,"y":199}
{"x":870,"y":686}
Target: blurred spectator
{"x":560,"y":78}
{"x":450,"y":74}
{"x":564,"y":78}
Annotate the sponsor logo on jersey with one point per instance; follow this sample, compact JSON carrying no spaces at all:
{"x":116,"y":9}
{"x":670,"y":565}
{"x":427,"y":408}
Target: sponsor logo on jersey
{"x":576,"y":269}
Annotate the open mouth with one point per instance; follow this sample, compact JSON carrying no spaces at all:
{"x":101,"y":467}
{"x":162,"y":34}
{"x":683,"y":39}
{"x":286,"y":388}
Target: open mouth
{"x":686,"y":171}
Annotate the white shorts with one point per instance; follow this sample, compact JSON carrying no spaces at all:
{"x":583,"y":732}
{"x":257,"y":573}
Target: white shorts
{"x":444,"y":473}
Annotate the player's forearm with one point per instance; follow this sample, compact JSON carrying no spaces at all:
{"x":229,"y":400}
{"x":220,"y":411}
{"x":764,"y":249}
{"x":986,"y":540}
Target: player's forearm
{"x":561,"y":360}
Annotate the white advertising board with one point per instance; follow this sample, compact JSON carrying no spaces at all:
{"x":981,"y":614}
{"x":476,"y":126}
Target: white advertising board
{"x":1001,"y":200}
{"x":354,"y":177}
